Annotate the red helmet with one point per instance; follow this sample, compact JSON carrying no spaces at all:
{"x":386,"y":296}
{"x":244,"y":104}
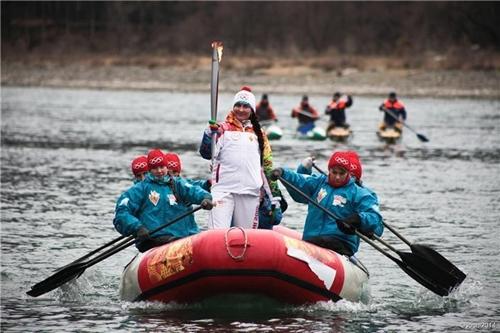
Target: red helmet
{"x":341,"y":159}
{"x":139,"y":165}
{"x":355,"y":168}
{"x":156,"y":159}
{"x":173,"y":162}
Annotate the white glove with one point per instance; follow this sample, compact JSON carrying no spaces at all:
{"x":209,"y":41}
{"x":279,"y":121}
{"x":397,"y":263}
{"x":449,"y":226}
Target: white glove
{"x":307,"y":162}
{"x":275,"y":201}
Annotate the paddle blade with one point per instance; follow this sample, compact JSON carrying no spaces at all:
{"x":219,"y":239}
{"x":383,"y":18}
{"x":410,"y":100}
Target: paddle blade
{"x":413,"y":266}
{"x":422,"y":137}
{"x":439,"y":262}
{"x":58,"y":279}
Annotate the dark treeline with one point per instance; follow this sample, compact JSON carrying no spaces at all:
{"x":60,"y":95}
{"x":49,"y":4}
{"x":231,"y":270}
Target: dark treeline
{"x":282,"y":27}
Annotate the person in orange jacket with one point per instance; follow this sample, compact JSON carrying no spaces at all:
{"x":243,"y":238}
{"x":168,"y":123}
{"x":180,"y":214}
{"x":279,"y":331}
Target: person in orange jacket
{"x":336,"y":110}
{"x":394,"y":113}
{"x":306,"y":115}
{"x":264,"y":111}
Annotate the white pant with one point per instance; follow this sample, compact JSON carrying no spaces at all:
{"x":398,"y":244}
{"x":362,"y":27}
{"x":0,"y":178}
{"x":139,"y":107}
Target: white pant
{"x":240,"y":209}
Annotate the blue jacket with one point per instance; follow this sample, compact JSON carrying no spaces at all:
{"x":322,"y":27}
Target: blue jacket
{"x":296,"y":196}
{"x":267,"y":216}
{"x":342,"y":202}
{"x":154,"y":202}
{"x":305,"y":171}
{"x":187,"y":206}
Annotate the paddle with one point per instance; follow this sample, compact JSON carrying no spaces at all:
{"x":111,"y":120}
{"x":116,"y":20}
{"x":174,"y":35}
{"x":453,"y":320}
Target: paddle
{"x":415,"y":266}
{"x":317,"y":168}
{"x":214,"y":89}
{"x":434,"y":258}
{"x":307,"y":114}
{"x":421,"y":137}
{"x":76,"y":268}
{"x":93,"y":252}
{"x":434,"y":263}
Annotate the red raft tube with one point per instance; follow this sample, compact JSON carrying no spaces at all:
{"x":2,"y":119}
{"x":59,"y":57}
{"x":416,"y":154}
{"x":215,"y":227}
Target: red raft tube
{"x":276,"y":264}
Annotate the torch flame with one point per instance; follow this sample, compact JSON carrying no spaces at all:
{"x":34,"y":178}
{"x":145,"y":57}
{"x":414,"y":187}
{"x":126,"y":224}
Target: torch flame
{"x":218,"y":45}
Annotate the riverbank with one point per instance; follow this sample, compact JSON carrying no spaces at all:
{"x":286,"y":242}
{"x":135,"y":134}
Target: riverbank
{"x":192,"y":74}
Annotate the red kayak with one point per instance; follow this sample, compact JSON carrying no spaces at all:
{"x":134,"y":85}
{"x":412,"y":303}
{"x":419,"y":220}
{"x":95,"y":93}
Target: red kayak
{"x":275,"y":264}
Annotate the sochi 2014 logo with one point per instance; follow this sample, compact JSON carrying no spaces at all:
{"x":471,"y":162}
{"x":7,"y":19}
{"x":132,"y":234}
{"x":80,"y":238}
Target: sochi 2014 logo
{"x":339,"y":200}
{"x":156,"y":160}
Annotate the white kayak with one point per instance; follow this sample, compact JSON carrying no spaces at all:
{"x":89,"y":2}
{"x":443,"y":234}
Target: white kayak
{"x":316,"y":134}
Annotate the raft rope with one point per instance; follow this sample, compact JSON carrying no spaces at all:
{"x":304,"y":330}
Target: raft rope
{"x":242,"y":255}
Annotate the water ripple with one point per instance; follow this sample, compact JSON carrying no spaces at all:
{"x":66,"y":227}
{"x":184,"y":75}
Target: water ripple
{"x":65,"y":159}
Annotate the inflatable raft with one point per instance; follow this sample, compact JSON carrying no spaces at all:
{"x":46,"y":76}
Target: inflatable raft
{"x":237,"y":261}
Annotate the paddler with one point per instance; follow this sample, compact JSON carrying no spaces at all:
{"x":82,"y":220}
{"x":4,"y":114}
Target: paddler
{"x":394,"y":113}
{"x":356,"y":207}
{"x":306,"y":115}
{"x":336,"y":110}
{"x":153,"y":202}
{"x":264,"y":110}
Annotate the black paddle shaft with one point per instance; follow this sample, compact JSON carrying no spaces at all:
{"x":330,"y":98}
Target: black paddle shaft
{"x":436,"y":266}
{"x":434,"y":259}
{"x":76,"y":268}
{"x":411,"y":264}
{"x":421,"y":137}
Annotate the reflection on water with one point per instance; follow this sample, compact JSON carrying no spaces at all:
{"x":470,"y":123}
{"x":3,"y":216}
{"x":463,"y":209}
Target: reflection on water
{"x":65,"y":157}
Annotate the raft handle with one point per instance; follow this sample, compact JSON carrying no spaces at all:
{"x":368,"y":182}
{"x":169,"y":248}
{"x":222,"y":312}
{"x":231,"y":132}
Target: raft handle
{"x":245,"y":245}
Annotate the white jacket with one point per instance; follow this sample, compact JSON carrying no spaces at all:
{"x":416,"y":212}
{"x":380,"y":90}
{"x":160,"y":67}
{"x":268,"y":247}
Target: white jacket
{"x":237,"y":166}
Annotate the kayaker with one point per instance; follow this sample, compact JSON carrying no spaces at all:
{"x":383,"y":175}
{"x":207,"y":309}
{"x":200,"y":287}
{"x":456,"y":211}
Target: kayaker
{"x":264,"y":111}
{"x":306,"y":115}
{"x":153,"y":202}
{"x":243,"y":158}
{"x":396,"y":107}
{"x":139,"y":167}
{"x":356,"y":206}
{"x":336,"y":110}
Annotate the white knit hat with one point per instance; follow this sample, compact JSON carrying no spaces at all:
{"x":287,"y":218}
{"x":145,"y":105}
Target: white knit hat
{"x":245,"y":96}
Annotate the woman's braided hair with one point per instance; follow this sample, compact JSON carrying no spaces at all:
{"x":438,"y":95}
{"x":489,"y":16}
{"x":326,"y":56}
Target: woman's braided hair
{"x":260,"y":136}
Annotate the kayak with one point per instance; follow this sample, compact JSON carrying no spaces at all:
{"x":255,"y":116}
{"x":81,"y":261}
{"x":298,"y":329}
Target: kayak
{"x":275,"y":264}
{"x":273,"y":131}
{"x":389,"y":135}
{"x":317,"y":134}
{"x":340,"y":134}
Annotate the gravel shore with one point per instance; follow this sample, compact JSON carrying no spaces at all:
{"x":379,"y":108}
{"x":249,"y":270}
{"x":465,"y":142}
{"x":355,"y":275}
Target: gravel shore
{"x":274,"y":79}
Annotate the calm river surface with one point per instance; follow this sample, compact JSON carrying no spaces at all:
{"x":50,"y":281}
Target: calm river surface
{"x":65,"y":159}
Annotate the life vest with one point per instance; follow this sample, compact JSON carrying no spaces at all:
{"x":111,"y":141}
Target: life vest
{"x":337,"y":105}
{"x":265,"y":112}
{"x":396,"y":105}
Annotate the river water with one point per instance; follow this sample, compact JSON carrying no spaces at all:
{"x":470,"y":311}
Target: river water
{"x":65,"y":159}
